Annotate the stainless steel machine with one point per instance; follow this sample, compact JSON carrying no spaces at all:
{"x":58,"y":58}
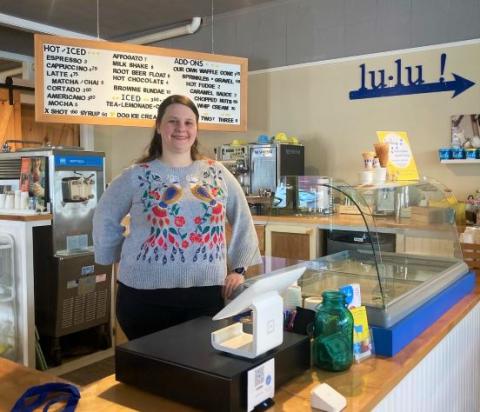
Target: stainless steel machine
{"x":269,"y":162}
{"x":235,"y":158}
{"x":259,"y":167}
{"x":72,"y":293}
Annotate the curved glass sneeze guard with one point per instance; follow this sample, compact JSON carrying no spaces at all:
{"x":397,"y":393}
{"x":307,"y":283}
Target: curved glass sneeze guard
{"x":402,"y":242}
{"x":324,"y":197}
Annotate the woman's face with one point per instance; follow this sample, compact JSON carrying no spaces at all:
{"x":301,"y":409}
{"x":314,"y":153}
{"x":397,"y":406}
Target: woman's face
{"x":178,"y":129}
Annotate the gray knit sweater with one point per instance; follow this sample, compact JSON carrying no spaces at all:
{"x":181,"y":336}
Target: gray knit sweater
{"x":177,"y":225}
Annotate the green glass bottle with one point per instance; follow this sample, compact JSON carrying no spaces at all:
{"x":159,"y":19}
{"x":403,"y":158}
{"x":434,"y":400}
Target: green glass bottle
{"x":333,"y":333}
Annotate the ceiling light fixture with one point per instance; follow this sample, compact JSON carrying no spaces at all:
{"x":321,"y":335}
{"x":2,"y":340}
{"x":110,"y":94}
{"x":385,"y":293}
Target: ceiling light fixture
{"x":190,"y":28}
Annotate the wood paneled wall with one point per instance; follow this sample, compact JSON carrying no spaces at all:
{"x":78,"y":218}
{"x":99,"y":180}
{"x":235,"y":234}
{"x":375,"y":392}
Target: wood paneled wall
{"x":10,"y":116}
{"x":58,"y":134}
{"x":17,"y":122}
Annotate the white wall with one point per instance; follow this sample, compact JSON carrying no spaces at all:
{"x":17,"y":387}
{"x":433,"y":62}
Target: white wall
{"x":311,"y":102}
{"x":122,"y":146}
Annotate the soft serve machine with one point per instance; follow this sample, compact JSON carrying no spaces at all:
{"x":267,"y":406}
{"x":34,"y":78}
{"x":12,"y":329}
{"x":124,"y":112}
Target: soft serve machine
{"x":259,"y":166}
{"x":72,"y":293}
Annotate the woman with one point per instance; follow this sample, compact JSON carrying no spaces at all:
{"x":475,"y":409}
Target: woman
{"x":173,"y":264}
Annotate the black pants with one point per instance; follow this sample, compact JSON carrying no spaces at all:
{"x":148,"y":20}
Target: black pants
{"x":144,"y":311}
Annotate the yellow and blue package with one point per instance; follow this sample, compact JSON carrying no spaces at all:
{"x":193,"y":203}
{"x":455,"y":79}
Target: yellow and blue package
{"x":362,"y":343}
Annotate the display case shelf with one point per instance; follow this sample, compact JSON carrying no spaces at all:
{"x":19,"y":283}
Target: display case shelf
{"x":460,"y":161}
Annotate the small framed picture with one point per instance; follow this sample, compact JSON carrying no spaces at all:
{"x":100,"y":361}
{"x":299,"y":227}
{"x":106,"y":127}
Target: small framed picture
{"x":465,"y":130}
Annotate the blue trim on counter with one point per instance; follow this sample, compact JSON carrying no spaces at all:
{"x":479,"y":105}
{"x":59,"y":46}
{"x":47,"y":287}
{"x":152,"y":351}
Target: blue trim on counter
{"x":390,"y":341}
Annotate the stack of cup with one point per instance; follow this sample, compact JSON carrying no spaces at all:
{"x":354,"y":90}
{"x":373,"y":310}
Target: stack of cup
{"x":17,"y":199}
{"x":24,"y":200}
{"x":292,"y":298}
{"x":9,"y":200}
{"x":375,"y":165}
{"x":366,"y":176}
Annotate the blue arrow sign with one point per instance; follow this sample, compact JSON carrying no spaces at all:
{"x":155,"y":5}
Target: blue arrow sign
{"x":379,"y":87}
{"x":459,"y":85}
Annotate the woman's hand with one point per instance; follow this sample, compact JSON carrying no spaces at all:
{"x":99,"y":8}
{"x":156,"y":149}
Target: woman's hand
{"x":232,"y":281}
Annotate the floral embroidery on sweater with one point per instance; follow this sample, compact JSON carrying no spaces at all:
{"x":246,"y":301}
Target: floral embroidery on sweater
{"x":169,"y":237}
{"x":209,"y":230}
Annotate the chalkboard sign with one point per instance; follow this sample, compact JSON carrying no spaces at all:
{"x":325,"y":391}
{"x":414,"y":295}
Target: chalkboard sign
{"x":99,"y":82}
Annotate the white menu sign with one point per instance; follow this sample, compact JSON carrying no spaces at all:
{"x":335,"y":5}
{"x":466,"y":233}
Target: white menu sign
{"x":97,"y":82}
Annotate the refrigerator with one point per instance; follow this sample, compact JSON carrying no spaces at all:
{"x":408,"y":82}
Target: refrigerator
{"x":9,"y":341}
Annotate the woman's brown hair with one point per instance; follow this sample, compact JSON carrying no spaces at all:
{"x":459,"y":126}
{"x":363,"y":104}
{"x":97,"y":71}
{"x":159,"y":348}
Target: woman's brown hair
{"x":155,"y":148}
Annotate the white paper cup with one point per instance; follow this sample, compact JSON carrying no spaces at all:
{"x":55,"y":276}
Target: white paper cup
{"x":24,"y":200}
{"x":292,"y":298}
{"x":9,"y":201}
{"x":17,"y":199}
{"x":379,"y":174}
{"x":365,"y":177}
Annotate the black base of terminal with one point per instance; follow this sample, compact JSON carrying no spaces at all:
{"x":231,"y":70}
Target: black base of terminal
{"x":180,"y":363}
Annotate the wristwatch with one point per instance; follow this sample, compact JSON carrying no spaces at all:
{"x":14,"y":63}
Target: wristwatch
{"x":241,"y":270}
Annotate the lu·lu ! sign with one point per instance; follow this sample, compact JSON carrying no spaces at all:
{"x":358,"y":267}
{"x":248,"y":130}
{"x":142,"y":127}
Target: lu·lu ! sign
{"x":406,"y":80}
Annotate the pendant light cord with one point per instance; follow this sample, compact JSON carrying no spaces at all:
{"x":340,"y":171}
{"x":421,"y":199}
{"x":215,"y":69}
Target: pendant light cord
{"x":98,"y":19}
{"x":211,"y":31}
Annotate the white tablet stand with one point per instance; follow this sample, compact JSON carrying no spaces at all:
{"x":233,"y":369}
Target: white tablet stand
{"x":263,"y":298}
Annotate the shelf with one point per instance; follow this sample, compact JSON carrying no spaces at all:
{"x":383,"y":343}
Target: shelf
{"x":460,"y":161}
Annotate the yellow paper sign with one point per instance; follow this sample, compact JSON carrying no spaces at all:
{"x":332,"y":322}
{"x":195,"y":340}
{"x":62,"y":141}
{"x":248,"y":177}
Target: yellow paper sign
{"x":362,"y":345}
{"x":401,"y":164}
{"x":360,"y":330}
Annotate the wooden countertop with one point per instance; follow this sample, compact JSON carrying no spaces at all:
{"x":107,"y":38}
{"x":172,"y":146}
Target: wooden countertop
{"x":364,"y":385}
{"x":15,"y":379}
{"x":26,"y":218}
{"x":368,"y":382}
{"x":386,"y":224}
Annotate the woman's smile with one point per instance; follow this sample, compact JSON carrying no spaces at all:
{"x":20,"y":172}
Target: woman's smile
{"x":178,"y":128}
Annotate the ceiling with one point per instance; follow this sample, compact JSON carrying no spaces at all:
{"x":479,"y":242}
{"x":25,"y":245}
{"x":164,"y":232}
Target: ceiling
{"x":117,"y":20}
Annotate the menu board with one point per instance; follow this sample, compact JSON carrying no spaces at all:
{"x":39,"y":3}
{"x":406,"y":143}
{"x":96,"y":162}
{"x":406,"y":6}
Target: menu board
{"x":99,"y":82}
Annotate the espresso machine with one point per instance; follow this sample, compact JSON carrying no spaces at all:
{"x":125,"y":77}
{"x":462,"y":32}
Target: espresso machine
{"x":269,"y":162}
{"x":235,"y":158}
{"x":72,"y":293}
{"x":258,"y":167}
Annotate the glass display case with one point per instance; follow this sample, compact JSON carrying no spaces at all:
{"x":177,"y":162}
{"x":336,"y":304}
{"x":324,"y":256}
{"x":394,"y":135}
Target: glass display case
{"x":393,"y":282}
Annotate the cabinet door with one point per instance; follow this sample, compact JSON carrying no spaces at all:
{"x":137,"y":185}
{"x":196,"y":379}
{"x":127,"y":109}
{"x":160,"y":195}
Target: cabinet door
{"x":260,"y":229}
{"x":293,"y":242}
{"x":428,"y":246}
